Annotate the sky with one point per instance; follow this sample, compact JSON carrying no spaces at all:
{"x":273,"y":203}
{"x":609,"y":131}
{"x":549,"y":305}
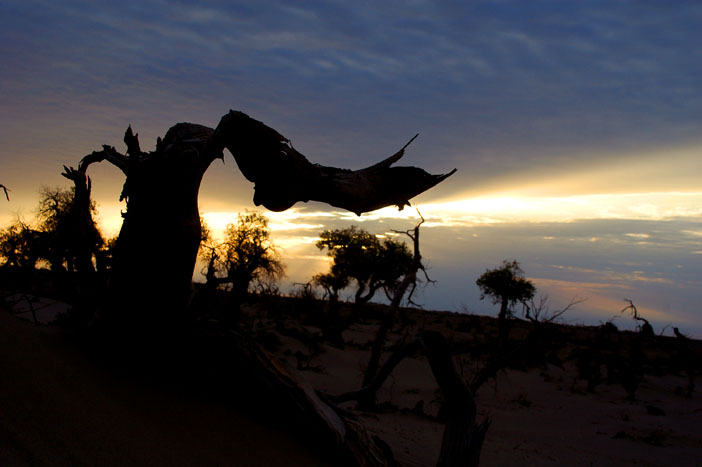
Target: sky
{"x":575,"y":127}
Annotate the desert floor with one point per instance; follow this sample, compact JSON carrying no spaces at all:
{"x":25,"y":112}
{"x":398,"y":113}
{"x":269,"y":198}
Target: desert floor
{"x":59,"y":407}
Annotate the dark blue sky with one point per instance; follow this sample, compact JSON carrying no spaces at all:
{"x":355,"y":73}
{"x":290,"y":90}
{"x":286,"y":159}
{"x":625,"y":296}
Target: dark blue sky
{"x":527,"y":99}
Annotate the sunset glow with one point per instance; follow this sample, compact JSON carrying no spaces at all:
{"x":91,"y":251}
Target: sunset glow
{"x":574,"y":128}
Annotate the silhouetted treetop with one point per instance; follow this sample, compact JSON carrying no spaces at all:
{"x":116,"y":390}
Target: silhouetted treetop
{"x":247,"y":253}
{"x":505,"y":285}
{"x":360,"y":256}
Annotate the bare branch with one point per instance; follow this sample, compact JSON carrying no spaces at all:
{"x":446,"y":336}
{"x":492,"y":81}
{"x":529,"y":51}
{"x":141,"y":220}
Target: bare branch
{"x":109,"y":154}
{"x":4,"y":188}
{"x":390,"y":160}
{"x":539,"y":312}
{"x":646,"y":327}
{"x":573,"y":302}
{"x":633,"y":310}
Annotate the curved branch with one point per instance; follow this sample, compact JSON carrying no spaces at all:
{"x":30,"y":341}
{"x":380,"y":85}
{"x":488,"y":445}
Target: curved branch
{"x":390,"y":160}
{"x":109,"y":154}
{"x":284,"y":176}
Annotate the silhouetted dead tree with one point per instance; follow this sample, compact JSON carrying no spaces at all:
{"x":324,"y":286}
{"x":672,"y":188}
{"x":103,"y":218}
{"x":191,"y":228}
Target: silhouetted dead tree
{"x":538,"y":311}
{"x":156,"y":250}
{"x":409,"y":282}
{"x":4,"y":188}
{"x":646,"y":328}
{"x":83,"y":237}
{"x":463,"y":438}
{"x":161,"y":227}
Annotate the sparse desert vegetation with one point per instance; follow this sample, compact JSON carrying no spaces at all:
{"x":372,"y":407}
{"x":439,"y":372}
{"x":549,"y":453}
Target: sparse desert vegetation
{"x":595,"y":394}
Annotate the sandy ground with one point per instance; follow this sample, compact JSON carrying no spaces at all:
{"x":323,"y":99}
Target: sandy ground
{"x":58,"y":408}
{"x":540,"y":416}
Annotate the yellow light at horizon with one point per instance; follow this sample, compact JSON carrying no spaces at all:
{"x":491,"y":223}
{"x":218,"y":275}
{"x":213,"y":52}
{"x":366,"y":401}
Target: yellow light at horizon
{"x":499,"y":208}
{"x":217,"y":222}
{"x":638,"y":206}
{"x":287,"y":221}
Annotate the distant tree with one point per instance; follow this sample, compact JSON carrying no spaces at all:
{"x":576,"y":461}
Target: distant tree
{"x":331,"y":284}
{"x":20,"y":245}
{"x":246,"y":257}
{"x":361,"y":257}
{"x":60,"y":236}
{"x":507,"y":286}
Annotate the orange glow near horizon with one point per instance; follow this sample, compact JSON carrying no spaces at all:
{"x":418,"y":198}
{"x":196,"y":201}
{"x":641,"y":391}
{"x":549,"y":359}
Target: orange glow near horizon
{"x":494,"y":209}
{"x":602,"y":300}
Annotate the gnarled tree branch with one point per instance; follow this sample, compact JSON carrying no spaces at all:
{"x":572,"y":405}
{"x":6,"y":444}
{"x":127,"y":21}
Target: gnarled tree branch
{"x":284,"y":176}
{"x":109,"y":154}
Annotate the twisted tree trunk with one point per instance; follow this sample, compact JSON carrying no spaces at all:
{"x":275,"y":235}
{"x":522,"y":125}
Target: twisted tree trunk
{"x":157,"y":247}
{"x":83,"y":237}
{"x":155,"y":254}
{"x":409,"y":281}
